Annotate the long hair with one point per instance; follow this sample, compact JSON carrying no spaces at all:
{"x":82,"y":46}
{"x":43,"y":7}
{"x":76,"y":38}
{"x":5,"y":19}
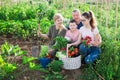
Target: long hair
{"x":90,"y":15}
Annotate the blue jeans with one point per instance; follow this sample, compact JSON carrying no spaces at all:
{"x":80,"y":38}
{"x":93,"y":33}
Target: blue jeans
{"x":90,"y":53}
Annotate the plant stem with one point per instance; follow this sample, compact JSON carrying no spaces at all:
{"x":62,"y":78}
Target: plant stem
{"x":101,"y":77}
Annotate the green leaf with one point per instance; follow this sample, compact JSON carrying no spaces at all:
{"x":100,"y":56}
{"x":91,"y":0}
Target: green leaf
{"x":27,"y":59}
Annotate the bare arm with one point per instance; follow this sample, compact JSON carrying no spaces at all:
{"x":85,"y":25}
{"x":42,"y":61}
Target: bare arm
{"x":76,"y":43}
{"x":42,"y":35}
{"x":97,"y":40}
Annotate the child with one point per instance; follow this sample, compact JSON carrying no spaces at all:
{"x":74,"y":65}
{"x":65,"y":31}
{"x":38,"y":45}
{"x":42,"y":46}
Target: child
{"x":90,"y":29}
{"x":73,"y":33}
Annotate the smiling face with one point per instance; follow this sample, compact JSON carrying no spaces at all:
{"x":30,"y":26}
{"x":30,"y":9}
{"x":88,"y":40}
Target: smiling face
{"x":59,"y":21}
{"x":73,"y":26}
{"x":76,"y":16}
{"x":85,"y":21}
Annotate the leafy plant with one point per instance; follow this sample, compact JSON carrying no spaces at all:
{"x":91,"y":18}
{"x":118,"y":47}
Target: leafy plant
{"x":44,"y":25}
{"x":54,"y":68}
{"x":53,"y":75}
{"x":50,"y":13}
{"x":38,"y":67}
{"x":44,"y":51}
{"x":3,"y":13}
{"x":8,"y":49}
{"x":6,"y":69}
{"x":60,"y":43}
{"x":27,"y":59}
{"x":55,"y":65}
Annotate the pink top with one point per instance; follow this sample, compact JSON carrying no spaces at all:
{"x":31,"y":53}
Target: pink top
{"x":72,"y":35}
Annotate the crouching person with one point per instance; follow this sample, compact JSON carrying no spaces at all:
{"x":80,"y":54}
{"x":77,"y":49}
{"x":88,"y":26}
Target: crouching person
{"x":55,"y":30}
{"x":89,"y":39}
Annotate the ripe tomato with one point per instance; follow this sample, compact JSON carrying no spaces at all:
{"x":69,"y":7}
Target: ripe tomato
{"x":48,"y":56}
{"x":72,"y":53}
{"x":69,"y":54}
{"x":76,"y":50}
{"x":69,"y":51}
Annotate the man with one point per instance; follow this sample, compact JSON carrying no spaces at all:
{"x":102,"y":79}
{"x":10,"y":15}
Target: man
{"x":76,"y":16}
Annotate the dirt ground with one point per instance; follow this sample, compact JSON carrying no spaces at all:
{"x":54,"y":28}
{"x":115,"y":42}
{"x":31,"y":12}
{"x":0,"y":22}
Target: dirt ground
{"x":35,"y":75}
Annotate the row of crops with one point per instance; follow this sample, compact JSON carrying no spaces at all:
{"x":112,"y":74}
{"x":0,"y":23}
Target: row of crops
{"x":21,"y":21}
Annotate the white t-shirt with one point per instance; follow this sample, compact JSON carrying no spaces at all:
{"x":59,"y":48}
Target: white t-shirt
{"x":87,"y":32}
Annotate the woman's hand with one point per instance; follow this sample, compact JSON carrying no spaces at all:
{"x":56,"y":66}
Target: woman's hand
{"x":97,"y":40}
{"x":94,"y":43}
{"x":39,"y":33}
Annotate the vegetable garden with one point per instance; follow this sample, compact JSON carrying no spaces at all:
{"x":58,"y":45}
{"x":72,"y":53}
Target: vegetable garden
{"x":18,"y":34}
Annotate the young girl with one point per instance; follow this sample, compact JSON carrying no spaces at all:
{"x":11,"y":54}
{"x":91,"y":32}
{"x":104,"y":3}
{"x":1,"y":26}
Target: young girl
{"x":57,"y":29}
{"x":73,"y":33}
{"x":89,"y":29}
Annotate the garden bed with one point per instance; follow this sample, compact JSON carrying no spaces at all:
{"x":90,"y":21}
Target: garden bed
{"x":24,"y":73}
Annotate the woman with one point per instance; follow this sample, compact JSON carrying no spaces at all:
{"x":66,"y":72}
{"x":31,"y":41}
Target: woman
{"x":57,"y":29}
{"x":89,"y":29}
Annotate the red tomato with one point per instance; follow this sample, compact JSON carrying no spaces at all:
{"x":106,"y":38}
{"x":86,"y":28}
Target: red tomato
{"x":68,"y":51}
{"x":69,"y":55}
{"x":72,"y":53}
{"x":48,"y":56}
{"x":76,"y":50}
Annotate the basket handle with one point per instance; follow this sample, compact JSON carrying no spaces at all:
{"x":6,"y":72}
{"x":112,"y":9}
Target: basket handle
{"x":67,"y":51}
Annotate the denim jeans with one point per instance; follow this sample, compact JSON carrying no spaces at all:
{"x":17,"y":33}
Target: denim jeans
{"x":90,"y":53}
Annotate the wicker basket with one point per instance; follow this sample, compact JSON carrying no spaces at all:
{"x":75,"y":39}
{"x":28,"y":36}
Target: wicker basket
{"x":71,"y":63}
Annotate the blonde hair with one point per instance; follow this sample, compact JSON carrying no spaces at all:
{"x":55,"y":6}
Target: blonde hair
{"x":57,"y":16}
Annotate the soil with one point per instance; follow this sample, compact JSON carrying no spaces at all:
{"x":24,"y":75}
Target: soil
{"x":28,"y":46}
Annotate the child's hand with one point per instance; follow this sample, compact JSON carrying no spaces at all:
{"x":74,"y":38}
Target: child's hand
{"x":68,"y":45}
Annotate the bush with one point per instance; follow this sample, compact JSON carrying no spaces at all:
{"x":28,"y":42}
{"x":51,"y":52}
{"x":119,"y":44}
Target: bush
{"x":3,"y":13}
{"x":45,"y":25}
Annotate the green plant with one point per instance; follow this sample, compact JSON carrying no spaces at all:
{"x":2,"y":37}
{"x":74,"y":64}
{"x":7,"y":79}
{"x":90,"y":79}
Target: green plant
{"x":27,"y":59}
{"x":60,"y":43}
{"x":45,"y":25}
{"x":8,"y":49}
{"x":54,"y":71}
{"x":3,"y":13}
{"x":29,"y":28}
{"x":53,"y":76}
{"x":34,"y":66}
{"x":6,"y":69}
{"x":44,"y":51}
{"x":55,"y":65}
{"x":50,"y":13}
